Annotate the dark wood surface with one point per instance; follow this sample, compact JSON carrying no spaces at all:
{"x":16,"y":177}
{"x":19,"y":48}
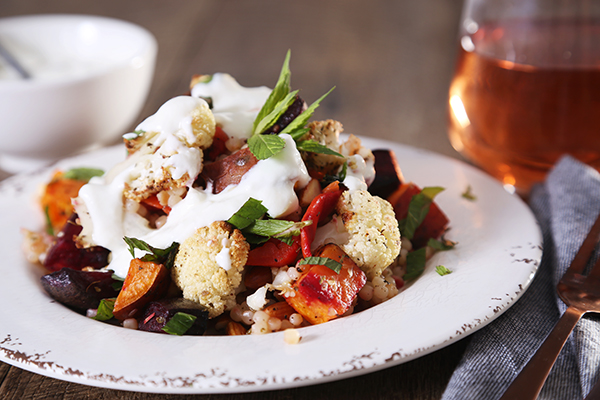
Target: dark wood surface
{"x":391,"y":62}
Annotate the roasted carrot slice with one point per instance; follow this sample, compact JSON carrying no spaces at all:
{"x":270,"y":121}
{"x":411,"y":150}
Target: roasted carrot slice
{"x":56,"y":199}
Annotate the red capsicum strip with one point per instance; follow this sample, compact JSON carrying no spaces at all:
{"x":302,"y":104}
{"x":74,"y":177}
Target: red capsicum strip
{"x":320,"y":207}
{"x":274,"y":253}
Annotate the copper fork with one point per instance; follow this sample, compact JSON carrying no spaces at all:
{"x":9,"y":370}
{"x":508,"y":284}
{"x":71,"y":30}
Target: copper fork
{"x":582,"y":295}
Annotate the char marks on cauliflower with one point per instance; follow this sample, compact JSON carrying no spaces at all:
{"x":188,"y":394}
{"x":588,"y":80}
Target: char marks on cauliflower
{"x":374,"y":239}
{"x":169,"y":156}
{"x":208,"y":267}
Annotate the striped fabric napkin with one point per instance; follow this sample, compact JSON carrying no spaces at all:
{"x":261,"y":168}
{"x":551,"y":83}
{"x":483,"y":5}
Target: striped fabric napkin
{"x":566,"y":205}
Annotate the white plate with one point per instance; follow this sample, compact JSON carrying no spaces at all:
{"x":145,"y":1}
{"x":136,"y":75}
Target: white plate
{"x":497,"y":256}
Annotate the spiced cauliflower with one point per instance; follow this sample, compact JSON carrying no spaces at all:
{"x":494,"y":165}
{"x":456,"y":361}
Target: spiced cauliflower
{"x":166,"y":148}
{"x":209,"y":264}
{"x":373,"y":240}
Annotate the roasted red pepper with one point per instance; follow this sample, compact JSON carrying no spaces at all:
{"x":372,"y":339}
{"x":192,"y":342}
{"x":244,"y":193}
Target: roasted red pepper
{"x":274,"y":253}
{"x":317,"y":211}
{"x":153,"y":202}
{"x":218,"y":145}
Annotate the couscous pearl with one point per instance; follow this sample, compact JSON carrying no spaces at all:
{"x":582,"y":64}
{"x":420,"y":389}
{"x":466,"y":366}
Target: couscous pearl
{"x":285,"y":324}
{"x":91,"y":312}
{"x":247,"y":317}
{"x":260,"y":328}
{"x":291,"y":336}
{"x":130,"y":323}
{"x":160,"y":221}
{"x":132,"y":206}
{"x":173,"y":200}
{"x":296,"y":319}
{"x":163,"y":198}
{"x":377,"y":281}
{"x":406,"y":244}
{"x":274,"y":324}
{"x":366,"y":293}
{"x":293,"y":273}
{"x":236,"y":313}
{"x":260,"y":316}
{"x":380,"y":292}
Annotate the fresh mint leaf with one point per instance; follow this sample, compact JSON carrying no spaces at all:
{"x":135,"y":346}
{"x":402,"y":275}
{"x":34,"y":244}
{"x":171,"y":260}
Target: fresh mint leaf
{"x":415,"y":263}
{"x":417,"y":210}
{"x":248,"y":214}
{"x":179,"y":323}
{"x":118,"y":284}
{"x":49,"y":228}
{"x":468,"y":194}
{"x":276,"y":228}
{"x":328,"y":262}
{"x":279,"y":92}
{"x":315,"y":147}
{"x":277,"y":111}
{"x":441,"y":270}
{"x":160,"y":256}
{"x":105,"y":310}
{"x":265,"y":146}
{"x":301,"y":120}
{"x":299,"y":133}
{"x":83,"y":174}
{"x":441,"y":245}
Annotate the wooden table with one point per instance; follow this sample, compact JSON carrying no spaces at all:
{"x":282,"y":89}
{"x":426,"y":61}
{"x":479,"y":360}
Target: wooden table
{"x":391,"y":62}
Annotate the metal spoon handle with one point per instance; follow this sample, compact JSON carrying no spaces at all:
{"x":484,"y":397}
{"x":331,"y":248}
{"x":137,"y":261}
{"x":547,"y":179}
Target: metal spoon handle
{"x":12,"y":61}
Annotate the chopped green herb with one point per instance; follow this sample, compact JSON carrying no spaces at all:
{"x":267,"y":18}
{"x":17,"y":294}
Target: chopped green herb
{"x":328,"y":262}
{"x":415,"y":263}
{"x":315,"y":147}
{"x":118,"y":285}
{"x":440,"y":269}
{"x":468,"y":194}
{"x":49,"y":229}
{"x":248,"y":214}
{"x":442,"y":245}
{"x":299,"y":133}
{"x":105,"y":310}
{"x":417,"y":210}
{"x":303,"y":118}
{"x":275,"y":113}
{"x":160,"y":256}
{"x":83,"y":174}
{"x":281,"y":89}
{"x":179,"y":324}
{"x":265,"y":146}
{"x":276,"y":227}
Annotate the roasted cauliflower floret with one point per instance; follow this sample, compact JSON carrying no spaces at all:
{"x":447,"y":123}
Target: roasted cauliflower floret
{"x":374,"y":239}
{"x":166,"y":148}
{"x":326,"y":133}
{"x":208,"y":266}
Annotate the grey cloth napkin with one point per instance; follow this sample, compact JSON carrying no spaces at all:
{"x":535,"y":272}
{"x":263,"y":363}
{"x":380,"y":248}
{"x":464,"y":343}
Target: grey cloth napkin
{"x":566,"y":205}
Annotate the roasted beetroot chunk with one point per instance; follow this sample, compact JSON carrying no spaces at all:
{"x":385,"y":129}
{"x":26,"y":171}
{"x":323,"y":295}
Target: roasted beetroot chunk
{"x":79,"y":289}
{"x":158,"y":313}
{"x":65,"y":253}
{"x":295,"y":109}
{"x":388,"y":176}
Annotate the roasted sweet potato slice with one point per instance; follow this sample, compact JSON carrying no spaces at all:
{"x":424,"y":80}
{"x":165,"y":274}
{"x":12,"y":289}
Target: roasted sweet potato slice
{"x":321,"y":294}
{"x":145,"y":281}
{"x":434,"y":224}
{"x":56,"y":199}
{"x":229,"y":170}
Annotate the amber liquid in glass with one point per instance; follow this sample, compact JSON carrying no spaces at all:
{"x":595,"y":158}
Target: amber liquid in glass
{"x":524,"y":95}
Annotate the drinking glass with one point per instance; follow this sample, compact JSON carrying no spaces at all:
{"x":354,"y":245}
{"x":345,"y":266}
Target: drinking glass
{"x":526,"y":88}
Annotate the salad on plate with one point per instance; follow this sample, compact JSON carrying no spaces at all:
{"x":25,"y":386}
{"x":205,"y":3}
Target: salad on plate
{"x":234,"y":213}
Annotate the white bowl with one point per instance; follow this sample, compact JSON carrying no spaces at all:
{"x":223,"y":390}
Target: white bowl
{"x":91,"y":77}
